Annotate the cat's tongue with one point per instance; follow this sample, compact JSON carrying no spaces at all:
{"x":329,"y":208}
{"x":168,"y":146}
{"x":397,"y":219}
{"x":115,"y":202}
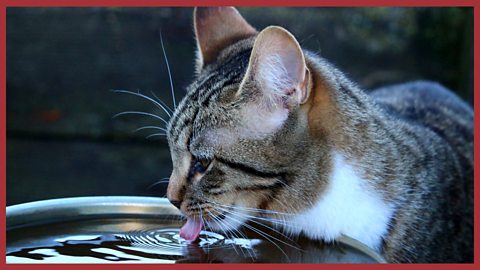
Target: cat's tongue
{"x":191,"y":230}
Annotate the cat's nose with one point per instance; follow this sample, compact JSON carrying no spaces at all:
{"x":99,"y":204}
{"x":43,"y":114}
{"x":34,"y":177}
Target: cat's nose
{"x":176,"y":203}
{"x":176,"y":190}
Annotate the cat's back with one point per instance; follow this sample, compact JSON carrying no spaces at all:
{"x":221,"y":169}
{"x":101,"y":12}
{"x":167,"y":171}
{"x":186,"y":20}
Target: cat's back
{"x":433,"y":111}
{"x":432,"y":106}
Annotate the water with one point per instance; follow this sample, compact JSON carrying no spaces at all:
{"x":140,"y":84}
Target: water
{"x":150,"y":240}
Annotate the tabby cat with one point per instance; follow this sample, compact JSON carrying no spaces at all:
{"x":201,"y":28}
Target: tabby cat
{"x":270,"y":130}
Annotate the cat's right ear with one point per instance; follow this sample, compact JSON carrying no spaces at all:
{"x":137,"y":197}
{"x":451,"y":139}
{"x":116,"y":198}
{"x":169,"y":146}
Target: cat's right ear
{"x":215,"y":29}
{"x":276,"y":81}
{"x":277,"y":68}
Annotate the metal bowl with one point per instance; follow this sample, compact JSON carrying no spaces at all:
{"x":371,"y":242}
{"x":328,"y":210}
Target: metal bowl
{"x":128,"y":229}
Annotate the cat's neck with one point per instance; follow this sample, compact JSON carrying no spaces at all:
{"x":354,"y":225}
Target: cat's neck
{"x":346,"y":207}
{"x":346,"y":121}
{"x":355,"y":127}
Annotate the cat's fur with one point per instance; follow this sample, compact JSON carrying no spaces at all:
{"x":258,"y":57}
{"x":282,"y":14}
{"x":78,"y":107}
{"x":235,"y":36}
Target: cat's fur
{"x":284,"y":130}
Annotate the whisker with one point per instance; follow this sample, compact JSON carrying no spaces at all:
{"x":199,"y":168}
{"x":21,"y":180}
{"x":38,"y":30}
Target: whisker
{"x":276,"y":221}
{"x":161,"y":101}
{"x":141,"y":113}
{"x":219,"y":223}
{"x":263,"y":225}
{"x":250,"y":252}
{"x":169,"y":73}
{"x":238,"y":234}
{"x":145,"y":97}
{"x":155,"y":135}
{"x":230,"y":233}
{"x":268,"y":227}
{"x":203,"y":222}
{"x":256,"y":210}
{"x":267,"y":236}
{"x":150,"y":127}
{"x":161,"y":181}
{"x":281,"y":222}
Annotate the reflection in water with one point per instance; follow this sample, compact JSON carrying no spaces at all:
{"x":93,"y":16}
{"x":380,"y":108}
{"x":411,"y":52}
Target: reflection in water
{"x":163,"y":245}
{"x":91,"y":248}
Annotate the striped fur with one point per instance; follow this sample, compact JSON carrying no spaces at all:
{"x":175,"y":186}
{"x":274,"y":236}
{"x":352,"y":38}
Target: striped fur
{"x":409,"y":146}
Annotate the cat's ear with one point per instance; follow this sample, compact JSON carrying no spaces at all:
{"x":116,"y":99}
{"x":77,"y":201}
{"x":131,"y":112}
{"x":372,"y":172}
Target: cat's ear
{"x":216,"y":28}
{"x":277,"y":68}
{"x":277,"y":79}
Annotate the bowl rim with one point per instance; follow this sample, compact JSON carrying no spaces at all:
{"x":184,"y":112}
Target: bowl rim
{"x":90,"y":207}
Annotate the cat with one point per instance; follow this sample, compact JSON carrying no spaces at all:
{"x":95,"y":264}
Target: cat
{"x":270,"y":130}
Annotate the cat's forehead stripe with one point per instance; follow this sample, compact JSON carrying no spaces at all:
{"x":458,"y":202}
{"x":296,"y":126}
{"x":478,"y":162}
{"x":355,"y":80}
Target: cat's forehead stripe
{"x":187,"y":116}
{"x":206,"y":89}
{"x":190,"y":101}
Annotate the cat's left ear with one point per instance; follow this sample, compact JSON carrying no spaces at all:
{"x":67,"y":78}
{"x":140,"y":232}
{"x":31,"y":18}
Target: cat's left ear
{"x":277,"y":68}
{"x":215,"y":29}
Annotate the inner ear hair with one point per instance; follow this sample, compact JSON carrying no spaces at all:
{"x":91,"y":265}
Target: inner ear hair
{"x":277,"y":66}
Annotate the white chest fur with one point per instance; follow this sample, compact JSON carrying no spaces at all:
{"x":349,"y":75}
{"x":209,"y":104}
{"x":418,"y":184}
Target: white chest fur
{"x":349,"y":207}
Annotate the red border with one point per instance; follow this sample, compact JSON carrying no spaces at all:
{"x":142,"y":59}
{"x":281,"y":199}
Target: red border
{"x":243,"y":266}
{"x":126,"y":3}
{"x":3,"y":122}
{"x":476,"y":101}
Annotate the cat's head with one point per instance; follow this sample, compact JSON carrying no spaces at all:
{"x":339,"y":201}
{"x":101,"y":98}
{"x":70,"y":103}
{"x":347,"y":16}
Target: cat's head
{"x":240,"y":138}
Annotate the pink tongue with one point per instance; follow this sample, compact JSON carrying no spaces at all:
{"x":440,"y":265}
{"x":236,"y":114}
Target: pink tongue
{"x":191,"y":230}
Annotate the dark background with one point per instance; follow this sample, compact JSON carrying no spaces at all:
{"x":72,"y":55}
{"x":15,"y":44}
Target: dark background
{"x":62,"y":62}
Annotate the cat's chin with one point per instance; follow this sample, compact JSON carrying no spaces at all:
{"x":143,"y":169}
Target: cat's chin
{"x":229,"y":221}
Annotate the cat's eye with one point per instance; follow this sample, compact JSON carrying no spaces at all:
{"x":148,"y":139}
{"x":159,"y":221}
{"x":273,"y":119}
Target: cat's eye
{"x":205,"y":162}
{"x":200,"y":165}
